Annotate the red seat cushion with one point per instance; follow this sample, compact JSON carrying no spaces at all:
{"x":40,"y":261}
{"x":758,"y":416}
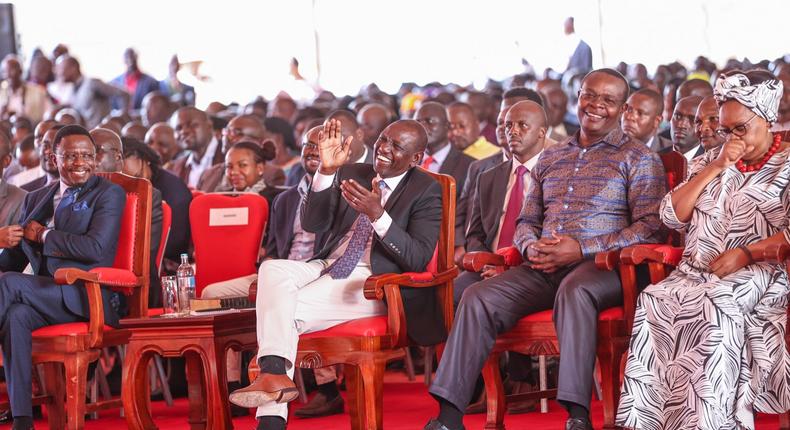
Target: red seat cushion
{"x":610,"y":314}
{"x":153,"y":312}
{"x":372,"y":326}
{"x":65,"y":329}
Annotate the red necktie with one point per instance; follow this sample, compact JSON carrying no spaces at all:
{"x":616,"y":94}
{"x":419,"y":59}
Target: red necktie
{"x":514,"y":203}
{"x":426,"y":162}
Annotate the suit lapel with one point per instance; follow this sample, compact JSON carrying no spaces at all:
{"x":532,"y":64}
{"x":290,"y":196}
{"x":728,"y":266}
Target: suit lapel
{"x":449,"y":162}
{"x":498,"y":195}
{"x":398,"y":191}
{"x":44,"y":209}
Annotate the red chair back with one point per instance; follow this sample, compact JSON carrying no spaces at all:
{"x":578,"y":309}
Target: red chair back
{"x":227,"y":230}
{"x":675,"y":167}
{"x":167,"y":222}
{"x":133,"y":250}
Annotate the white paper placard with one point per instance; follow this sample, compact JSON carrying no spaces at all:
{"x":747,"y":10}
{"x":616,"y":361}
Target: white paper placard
{"x":228,"y":216}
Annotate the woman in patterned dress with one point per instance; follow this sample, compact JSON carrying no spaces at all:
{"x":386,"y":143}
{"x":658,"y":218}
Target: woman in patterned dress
{"x":708,"y":344}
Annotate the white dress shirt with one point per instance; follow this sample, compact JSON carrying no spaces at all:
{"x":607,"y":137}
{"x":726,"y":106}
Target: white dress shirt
{"x":198,"y":167}
{"x":691,"y":153}
{"x":438,"y":158}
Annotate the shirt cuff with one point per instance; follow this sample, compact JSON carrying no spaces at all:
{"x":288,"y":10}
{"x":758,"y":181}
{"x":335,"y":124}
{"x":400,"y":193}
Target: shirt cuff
{"x":322,"y":182}
{"x":382,"y":225}
{"x":44,"y":235}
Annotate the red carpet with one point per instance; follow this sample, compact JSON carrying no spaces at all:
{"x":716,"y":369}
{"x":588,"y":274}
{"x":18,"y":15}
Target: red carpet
{"x":407,"y":406}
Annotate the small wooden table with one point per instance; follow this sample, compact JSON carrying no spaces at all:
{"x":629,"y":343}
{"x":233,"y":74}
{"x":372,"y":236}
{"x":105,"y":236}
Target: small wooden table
{"x":203,"y":341}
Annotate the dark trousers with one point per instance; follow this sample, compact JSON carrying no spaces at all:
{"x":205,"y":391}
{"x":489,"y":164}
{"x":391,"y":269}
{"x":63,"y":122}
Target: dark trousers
{"x":27,"y":303}
{"x":495,"y":305}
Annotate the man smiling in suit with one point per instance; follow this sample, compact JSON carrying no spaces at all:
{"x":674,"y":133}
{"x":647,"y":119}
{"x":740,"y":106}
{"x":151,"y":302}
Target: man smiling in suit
{"x":74,"y":222}
{"x":378,"y":219}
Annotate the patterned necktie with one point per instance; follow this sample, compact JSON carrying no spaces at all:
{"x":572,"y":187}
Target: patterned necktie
{"x":426,"y":162}
{"x":69,"y":196}
{"x":343,"y":266}
{"x":514,"y":204}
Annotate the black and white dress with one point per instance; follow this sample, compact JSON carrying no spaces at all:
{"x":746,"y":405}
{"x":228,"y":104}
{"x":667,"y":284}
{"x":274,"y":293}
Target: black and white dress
{"x":707,"y":351}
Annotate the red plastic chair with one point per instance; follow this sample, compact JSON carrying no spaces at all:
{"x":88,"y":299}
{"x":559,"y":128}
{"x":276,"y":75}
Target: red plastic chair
{"x":227,"y":231}
{"x":75,"y":345}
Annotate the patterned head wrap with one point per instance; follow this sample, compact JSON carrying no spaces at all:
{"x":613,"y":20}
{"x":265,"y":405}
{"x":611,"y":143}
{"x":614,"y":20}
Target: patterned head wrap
{"x":762,"y":98}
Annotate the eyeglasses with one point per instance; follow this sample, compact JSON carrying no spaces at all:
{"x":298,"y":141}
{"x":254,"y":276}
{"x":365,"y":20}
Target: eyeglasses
{"x":589,"y":97}
{"x":72,"y":157}
{"x":739,"y":130}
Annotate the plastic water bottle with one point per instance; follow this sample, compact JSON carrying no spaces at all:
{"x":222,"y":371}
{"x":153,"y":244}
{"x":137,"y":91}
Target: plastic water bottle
{"x":186,"y":284}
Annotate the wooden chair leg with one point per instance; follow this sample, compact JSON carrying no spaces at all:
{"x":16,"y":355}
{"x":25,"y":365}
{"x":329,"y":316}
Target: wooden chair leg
{"x":428,"y":351}
{"x":408,"y":363}
{"x":53,"y":381}
{"x":543,"y":383}
{"x":610,"y":357}
{"x":299,"y":381}
{"x":76,"y":367}
{"x":495,"y":394}
{"x":355,"y":398}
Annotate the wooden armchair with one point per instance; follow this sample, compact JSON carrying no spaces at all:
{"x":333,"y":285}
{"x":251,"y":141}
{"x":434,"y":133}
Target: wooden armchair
{"x":535,"y":334}
{"x":365,"y":345}
{"x":76,"y":345}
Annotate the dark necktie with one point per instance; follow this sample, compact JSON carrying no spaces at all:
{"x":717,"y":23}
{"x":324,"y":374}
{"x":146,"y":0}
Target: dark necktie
{"x":515,"y":201}
{"x":69,"y":196}
{"x":343,"y":266}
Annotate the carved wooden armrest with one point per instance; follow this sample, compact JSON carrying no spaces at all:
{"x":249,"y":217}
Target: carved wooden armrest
{"x":90,"y":280}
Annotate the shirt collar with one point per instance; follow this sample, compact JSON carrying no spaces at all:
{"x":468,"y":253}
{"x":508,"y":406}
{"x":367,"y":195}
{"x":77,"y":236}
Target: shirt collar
{"x":303,"y":185}
{"x":440,"y":155}
{"x":529,"y":164}
{"x":615,"y":138}
{"x":393,"y":182}
{"x":207,"y":159}
{"x":691,"y":152}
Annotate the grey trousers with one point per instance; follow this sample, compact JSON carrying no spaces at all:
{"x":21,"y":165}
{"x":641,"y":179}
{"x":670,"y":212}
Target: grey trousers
{"x":492,"y":306}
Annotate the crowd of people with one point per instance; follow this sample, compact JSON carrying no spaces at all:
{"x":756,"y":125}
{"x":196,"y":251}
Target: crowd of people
{"x":560,"y":166}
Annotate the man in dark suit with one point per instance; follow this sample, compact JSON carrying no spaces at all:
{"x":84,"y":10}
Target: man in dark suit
{"x":194,"y":132}
{"x":684,"y":136}
{"x":442,"y":157}
{"x":642,"y":118}
{"x":46,"y":160}
{"x":72,"y":223}
{"x":134,"y":81}
{"x":511,"y":97}
{"x":378,"y":219}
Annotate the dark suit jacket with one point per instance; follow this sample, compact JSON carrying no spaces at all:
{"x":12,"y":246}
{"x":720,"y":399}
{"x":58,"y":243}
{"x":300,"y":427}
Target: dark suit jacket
{"x":660,"y":144}
{"x":85,"y":236}
{"x":154,"y":288}
{"x":178,"y":196}
{"x":11,"y":199}
{"x":145,"y":85}
{"x":464,"y":211}
{"x":35,"y":184}
{"x":489,"y":198}
{"x":415,"y":207}
{"x":295,"y":174}
{"x":282,"y":215}
{"x":457,"y":165}
{"x":180,"y":168}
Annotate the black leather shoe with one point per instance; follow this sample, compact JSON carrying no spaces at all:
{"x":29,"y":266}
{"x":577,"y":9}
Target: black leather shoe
{"x":435,"y":424}
{"x":578,"y":424}
{"x":320,"y":406}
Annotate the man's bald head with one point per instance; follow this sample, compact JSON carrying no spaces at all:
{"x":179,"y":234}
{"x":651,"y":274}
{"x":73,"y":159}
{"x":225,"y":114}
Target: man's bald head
{"x":109,"y":150}
{"x":694,"y":87}
{"x":243,"y":127}
{"x":162,"y":139}
{"x":193,"y":129}
{"x":155,"y":108}
{"x":526,"y":124}
{"x":372,"y":119}
{"x":464,"y":127}
{"x":433,"y":118}
{"x":134,"y":130}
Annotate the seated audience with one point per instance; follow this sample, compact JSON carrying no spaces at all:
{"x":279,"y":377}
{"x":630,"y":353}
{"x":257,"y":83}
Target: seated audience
{"x":136,"y":83}
{"x":11,"y":197}
{"x":706,"y":124}
{"x":194,"y":133}
{"x":18,"y":97}
{"x":281,"y":133}
{"x":708,"y":345}
{"x":141,"y":161}
{"x":162,"y":139}
{"x":684,"y":138}
{"x":240,"y":128}
{"x":156,"y":108}
{"x":595,"y":192}
{"x":48,"y":164}
{"x":299,"y":297}
{"x":642,"y":119}
{"x":465,"y":132}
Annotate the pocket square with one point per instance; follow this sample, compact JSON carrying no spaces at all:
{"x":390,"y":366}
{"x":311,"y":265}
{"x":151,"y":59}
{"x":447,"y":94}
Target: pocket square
{"x":79,"y":206}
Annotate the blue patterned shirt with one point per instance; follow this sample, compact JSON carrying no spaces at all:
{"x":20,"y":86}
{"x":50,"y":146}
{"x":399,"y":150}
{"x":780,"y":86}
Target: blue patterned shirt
{"x":605,"y":196}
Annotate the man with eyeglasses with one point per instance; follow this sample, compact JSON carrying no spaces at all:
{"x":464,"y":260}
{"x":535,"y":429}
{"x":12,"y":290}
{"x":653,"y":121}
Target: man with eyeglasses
{"x":597,"y":191}
{"x":242,"y":127}
{"x":684,"y":137}
{"x":72,"y":223}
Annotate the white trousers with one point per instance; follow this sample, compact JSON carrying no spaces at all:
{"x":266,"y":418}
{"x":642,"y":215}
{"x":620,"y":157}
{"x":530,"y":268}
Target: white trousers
{"x":293,"y":298}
